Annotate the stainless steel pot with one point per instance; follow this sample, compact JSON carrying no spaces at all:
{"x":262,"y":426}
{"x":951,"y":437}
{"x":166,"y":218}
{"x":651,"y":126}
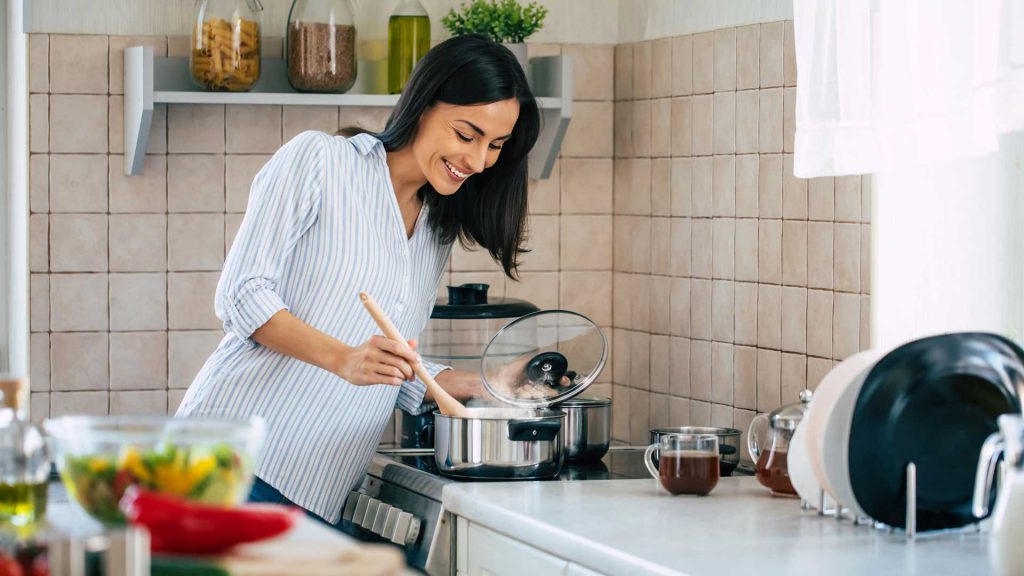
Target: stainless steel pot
{"x":499,"y":444}
{"x":587,"y":428}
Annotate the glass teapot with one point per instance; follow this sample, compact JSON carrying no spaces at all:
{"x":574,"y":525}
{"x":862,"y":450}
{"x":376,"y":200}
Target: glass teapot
{"x":768,"y":443}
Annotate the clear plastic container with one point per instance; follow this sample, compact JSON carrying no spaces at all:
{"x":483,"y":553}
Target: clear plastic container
{"x":225,"y":53}
{"x":321,"y":46}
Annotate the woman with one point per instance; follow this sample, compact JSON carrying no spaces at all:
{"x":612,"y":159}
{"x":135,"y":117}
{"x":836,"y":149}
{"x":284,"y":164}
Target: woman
{"x":329,"y":217}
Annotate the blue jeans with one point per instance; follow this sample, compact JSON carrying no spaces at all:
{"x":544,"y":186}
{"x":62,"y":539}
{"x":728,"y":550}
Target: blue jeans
{"x":265,"y":493}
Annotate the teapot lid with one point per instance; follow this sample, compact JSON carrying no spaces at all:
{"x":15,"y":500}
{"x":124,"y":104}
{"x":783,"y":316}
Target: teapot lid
{"x":787,"y":417}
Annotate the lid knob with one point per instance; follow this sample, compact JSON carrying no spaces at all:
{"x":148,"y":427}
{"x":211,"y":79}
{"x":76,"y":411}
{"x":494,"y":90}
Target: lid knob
{"x":468,"y":294}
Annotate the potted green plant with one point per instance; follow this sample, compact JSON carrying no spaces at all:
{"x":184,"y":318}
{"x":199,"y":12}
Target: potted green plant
{"x":504,"y":21}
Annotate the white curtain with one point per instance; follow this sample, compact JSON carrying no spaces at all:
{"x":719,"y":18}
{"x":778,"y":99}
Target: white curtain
{"x":885,"y":84}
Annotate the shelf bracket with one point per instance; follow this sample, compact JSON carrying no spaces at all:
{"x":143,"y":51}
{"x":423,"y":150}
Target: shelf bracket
{"x":138,"y":106}
{"x":550,"y":76}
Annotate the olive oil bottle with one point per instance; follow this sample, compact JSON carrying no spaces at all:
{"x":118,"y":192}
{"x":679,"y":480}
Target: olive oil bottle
{"x":24,"y":465}
{"x":408,"y":41}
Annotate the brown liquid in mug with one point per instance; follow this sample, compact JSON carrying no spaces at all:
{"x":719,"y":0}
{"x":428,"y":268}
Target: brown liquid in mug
{"x":773,"y":472}
{"x":688,"y":471}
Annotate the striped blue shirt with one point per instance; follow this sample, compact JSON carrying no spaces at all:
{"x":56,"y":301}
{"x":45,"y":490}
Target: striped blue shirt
{"x":322,"y":224}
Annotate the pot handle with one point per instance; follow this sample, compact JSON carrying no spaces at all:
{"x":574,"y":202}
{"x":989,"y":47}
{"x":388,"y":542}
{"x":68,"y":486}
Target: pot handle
{"x":650,"y":463}
{"x":530,"y":430}
{"x":991,"y":451}
{"x":757,"y":435}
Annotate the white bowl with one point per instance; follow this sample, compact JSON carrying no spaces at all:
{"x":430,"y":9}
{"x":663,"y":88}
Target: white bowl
{"x":800,"y":472}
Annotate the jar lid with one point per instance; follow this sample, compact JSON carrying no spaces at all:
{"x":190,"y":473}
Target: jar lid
{"x":787,"y":417}
{"x":586,"y":401}
{"x":543,"y":358}
{"x":470,"y":302}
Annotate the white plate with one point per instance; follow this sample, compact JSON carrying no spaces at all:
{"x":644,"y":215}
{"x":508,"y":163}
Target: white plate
{"x":800,"y":472}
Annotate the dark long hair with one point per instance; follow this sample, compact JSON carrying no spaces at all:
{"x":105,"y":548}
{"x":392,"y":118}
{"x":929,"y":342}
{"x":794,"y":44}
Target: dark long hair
{"x":490,"y":209}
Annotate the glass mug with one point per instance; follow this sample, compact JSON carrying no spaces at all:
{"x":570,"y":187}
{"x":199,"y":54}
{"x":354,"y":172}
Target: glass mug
{"x":687,"y":463}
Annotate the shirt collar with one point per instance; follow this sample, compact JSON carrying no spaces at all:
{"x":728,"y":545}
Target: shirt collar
{"x":367,"y":143}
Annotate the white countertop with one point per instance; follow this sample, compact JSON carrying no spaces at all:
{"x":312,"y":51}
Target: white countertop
{"x":631,"y":527}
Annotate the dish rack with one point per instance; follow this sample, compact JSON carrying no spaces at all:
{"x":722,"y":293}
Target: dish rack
{"x":839,"y":512}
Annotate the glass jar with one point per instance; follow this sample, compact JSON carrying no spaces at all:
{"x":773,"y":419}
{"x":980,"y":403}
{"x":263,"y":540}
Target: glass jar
{"x":408,"y":41}
{"x":225,"y":53}
{"x":321,"y":46}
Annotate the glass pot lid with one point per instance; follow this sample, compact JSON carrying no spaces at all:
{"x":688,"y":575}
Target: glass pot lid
{"x":787,"y":417}
{"x":543,"y":358}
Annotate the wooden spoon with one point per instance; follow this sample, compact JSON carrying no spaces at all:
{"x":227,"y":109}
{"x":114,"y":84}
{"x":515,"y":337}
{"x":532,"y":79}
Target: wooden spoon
{"x":449,"y":406}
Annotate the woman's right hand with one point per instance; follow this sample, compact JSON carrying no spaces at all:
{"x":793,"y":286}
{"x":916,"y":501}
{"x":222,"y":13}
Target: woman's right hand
{"x":379,"y":360}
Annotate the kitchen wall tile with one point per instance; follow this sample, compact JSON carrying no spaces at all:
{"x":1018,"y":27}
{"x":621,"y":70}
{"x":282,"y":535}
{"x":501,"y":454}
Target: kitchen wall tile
{"x":679,"y":366}
{"x":865,"y":258}
{"x":253,"y":129}
{"x":542,"y":288}
{"x":794,"y":192}
{"x":586,"y":185}
{"x":788,"y":119}
{"x":78,"y":242}
{"x":794,"y":376}
{"x":701,"y":251}
{"x":661,"y":294}
{"x":195,"y":183}
{"x":642,"y":56}
{"x":138,"y":361}
{"x":146,"y":192}
{"x":661,"y":246}
{"x":679,"y":307}
{"x":157,"y":142}
{"x":39,"y":407}
{"x":623,"y":129}
{"x":724,"y":122}
{"x":39,"y":183}
{"x":195,"y":242}
{"x":821,"y":199}
{"x":745,"y":377}
{"x":371,"y":118}
{"x":240,"y":171}
{"x":865,"y":322}
{"x":817,"y":368}
{"x":682,"y":65}
{"x":589,"y":293}
{"x":621,"y":343}
{"x":722,"y":359}
{"x":747,"y":119}
{"x":659,"y":413}
{"x":724,"y":248}
{"x":845,"y":325}
{"x":39,"y":123}
{"x":789,"y":55}
{"x":794,"y":253}
{"x":78,"y":302}
{"x":590,"y":133}
{"x":640,"y":361}
{"x":138,"y":242}
{"x":471,"y":259}
{"x":769,"y":113}
{"x":116,"y":57}
{"x":661,"y":125}
{"x":187,"y":351}
{"x":704,"y":63}
{"x":702,"y":195}
{"x":819,"y":323}
{"x":39,"y":302}
{"x":700,"y":309}
{"x":78,"y":404}
{"x":298,"y":119}
{"x":622,"y":255}
{"x":545,"y":195}
{"x":794,"y":319}
{"x":642,"y":128}
{"x":640,"y":304}
{"x":544,"y":243}
{"x":746,"y":313}
{"x":847,"y":198}
{"x":640,"y":245}
{"x":623,"y":71}
{"x":723,"y":186}
{"x":78,"y":64}
{"x":593,"y":75}
{"x":865,"y":198}
{"x":39,"y":362}
{"x":637,"y":187}
{"x":190,"y":300}
{"x":725,"y":59}
{"x":746,"y":249}
{"x":138,"y":402}
{"x":79,"y":361}
{"x":723,"y":309}
{"x":771,"y":54}
{"x":700,"y":370}
{"x":38,"y":243}
{"x":78,"y":124}
{"x":232,"y":222}
{"x":700,"y":413}
{"x":639,"y":411}
{"x":682,"y":126}
{"x":620,"y":414}
{"x":769,"y":251}
{"x":682,"y":186}
{"x":819,"y":255}
{"x":195,"y":129}
{"x":747,"y":57}
{"x":179,"y":46}
{"x":769,"y":185}
{"x":769,"y":380}
{"x":661,"y":186}
{"x":138,"y":301}
{"x":847,"y":257}
{"x":703,"y":125}
{"x":660,"y":364}
{"x":78,"y":183}
{"x":747,"y":186}
{"x":38,"y":63}
{"x":741,"y":420}
{"x":661,"y":68}
{"x":721,"y":415}
{"x":769,"y":316}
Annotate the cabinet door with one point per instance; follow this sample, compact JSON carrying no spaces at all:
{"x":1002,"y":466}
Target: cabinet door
{"x":491,"y":554}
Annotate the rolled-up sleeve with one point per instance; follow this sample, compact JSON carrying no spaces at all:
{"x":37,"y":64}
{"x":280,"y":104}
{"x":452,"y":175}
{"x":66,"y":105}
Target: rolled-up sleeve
{"x":284,"y":202}
{"x":410,"y":396}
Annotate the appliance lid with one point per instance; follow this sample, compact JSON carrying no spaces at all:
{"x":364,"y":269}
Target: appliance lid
{"x":470,"y":302}
{"x":586,"y":402}
{"x":544,"y":358}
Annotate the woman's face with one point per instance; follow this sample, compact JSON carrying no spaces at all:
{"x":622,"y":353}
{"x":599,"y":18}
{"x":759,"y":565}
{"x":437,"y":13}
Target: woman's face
{"x":455,"y":142}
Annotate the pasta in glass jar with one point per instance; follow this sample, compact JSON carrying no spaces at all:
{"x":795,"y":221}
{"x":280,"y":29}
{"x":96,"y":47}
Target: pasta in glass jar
{"x":225,"y":50}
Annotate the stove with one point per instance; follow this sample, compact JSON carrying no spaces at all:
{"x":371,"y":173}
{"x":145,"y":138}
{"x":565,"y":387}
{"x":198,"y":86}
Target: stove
{"x":399,"y":501}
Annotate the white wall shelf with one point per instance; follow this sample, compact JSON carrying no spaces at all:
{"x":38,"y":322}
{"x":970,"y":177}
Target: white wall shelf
{"x":149,"y":81}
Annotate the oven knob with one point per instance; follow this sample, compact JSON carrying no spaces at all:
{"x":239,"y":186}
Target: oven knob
{"x":407,"y":529}
{"x":371,"y":513}
{"x":360,"y":510}
{"x":390,"y":522}
{"x":350,"y":505}
{"x":378,"y":521}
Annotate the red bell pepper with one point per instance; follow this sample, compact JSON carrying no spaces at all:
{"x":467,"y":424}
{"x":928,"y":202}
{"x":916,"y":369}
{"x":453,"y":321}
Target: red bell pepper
{"x":180,"y":526}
